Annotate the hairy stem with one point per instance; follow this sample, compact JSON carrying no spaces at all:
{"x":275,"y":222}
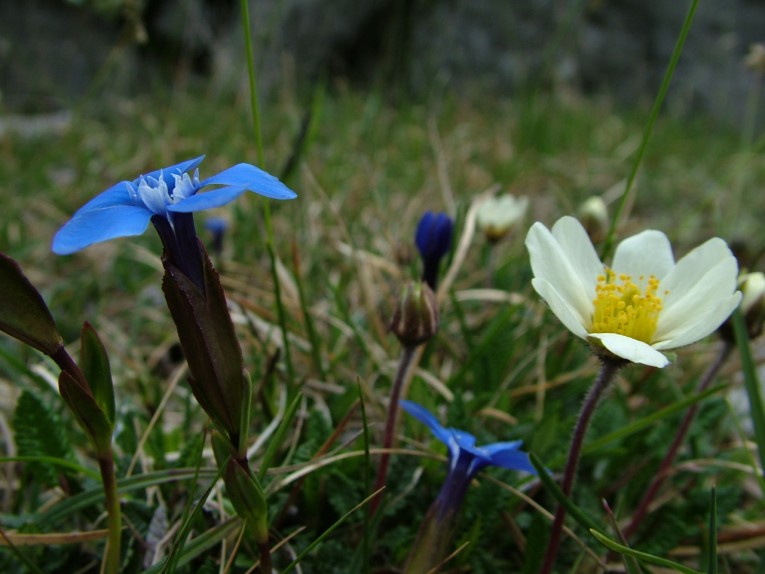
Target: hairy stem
{"x":390,"y":424}
{"x":605,"y":376}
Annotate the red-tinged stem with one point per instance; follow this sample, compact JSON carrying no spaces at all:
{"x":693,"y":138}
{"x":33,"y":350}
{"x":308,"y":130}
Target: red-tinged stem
{"x":605,"y":376}
{"x":682,"y":431}
{"x":390,"y":424}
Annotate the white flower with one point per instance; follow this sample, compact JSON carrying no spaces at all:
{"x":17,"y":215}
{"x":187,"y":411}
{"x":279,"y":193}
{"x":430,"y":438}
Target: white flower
{"x":752,"y":285}
{"x":645,"y":302}
{"x":498,"y":214}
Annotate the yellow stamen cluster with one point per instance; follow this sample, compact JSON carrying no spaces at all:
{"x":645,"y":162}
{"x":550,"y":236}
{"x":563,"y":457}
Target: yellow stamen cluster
{"x":621,"y":307}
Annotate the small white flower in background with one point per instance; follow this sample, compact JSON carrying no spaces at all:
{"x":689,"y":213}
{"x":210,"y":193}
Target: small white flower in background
{"x":497,"y":215}
{"x":752,"y":285}
{"x":755,"y":58}
{"x":644,"y":303}
{"x":593,"y":214}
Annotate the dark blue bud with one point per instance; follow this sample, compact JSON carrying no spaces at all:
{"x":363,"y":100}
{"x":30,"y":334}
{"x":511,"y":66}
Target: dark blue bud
{"x":434,"y":240}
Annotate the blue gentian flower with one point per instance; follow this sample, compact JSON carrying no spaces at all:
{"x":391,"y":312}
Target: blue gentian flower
{"x":126,"y":208}
{"x":465,"y":458}
{"x":434,"y":240}
{"x":465,"y":461}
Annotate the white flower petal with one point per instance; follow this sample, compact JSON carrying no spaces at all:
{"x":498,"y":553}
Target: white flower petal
{"x":576,"y":245}
{"x":689,"y":304}
{"x":690,"y":270}
{"x":549,"y":261}
{"x":702,"y":325}
{"x":644,"y":254}
{"x":631,"y":349}
{"x":567,"y":314}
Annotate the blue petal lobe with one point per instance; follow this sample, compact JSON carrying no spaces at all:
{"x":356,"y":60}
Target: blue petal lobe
{"x":118,"y":194}
{"x":177,"y":169}
{"x":207,"y":200}
{"x":100,"y":224}
{"x":252,"y":178}
{"x":513,"y":459}
{"x":422,"y":415}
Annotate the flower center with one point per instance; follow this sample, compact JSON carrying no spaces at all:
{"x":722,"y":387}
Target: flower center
{"x":622,"y":307}
{"x":155,"y":194}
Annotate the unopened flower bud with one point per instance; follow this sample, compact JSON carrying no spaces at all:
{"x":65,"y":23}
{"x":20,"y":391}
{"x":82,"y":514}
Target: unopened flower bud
{"x":752,"y":306}
{"x":497,"y":215}
{"x":415,"y":319}
{"x":434,"y":240}
{"x":755,"y":58}
{"x":594,"y":216}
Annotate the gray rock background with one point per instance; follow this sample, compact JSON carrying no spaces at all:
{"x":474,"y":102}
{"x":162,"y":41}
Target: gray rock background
{"x":54,"y":51}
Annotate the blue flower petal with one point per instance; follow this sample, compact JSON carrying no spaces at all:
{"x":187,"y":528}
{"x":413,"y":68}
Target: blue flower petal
{"x":207,"y":200}
{"x":424,"y":416}
{"x":177,"y":169}
{"x":252,"y":178}
{"x":510,"y":457}
{"x":100,"y":223}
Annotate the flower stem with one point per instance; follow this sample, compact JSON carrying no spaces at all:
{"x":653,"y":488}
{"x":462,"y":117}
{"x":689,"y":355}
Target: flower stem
{"x":266,"y":564}
{"x":682,"y":431}
{"x":113,"y":511}
{"x":390,"y":424}
{"x":605,"y":376}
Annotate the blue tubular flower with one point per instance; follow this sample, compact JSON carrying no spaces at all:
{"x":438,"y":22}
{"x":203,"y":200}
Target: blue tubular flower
{"x":434,"y":240}
{"x":126,"y":208}
{"x":465,"y":460}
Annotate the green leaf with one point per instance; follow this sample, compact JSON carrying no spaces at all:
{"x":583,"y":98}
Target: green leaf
{"x":752,"y":386}
{"x":206,"y":333}
{"x":94,"y":363}
{"x":86,"y":410}
{"x":650,"y":558}
{"x":40,"y":433}
{"x":23,"y":313}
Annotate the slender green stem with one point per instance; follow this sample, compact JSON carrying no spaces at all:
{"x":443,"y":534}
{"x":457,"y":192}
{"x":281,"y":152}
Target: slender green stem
{"x":673,"y":449}
{"x":390,"y":424}
{"x":751,"y":384}
{"x":658,"y":102}
{"x":113,"y":511}
{"x":605,"y":376}
{"x":252,"y":79}
{"x":255,"y":107}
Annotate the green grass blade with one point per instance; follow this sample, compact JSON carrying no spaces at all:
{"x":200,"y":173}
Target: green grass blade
{"x":650,"y":558}
{"x":365,"y":546}
{"x":67,"y":507}
{"x":255,"y":108}
{"x":54,"y":461}
{"x":189,"y":514}
{"x":200,"y":544}
{"x":751,"y":384}
{"x":658,"y":102}
{"x":644,"y":423}
{"x":328,"y":531}
{"x":276,"y":440}
{"x":549,"y":483}
{"x":712,"y":566}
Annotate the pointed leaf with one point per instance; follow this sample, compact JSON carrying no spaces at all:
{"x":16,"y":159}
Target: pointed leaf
{"x":23,"y":313}
{"x":94,"y":363}
{"x":87,"y":412}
